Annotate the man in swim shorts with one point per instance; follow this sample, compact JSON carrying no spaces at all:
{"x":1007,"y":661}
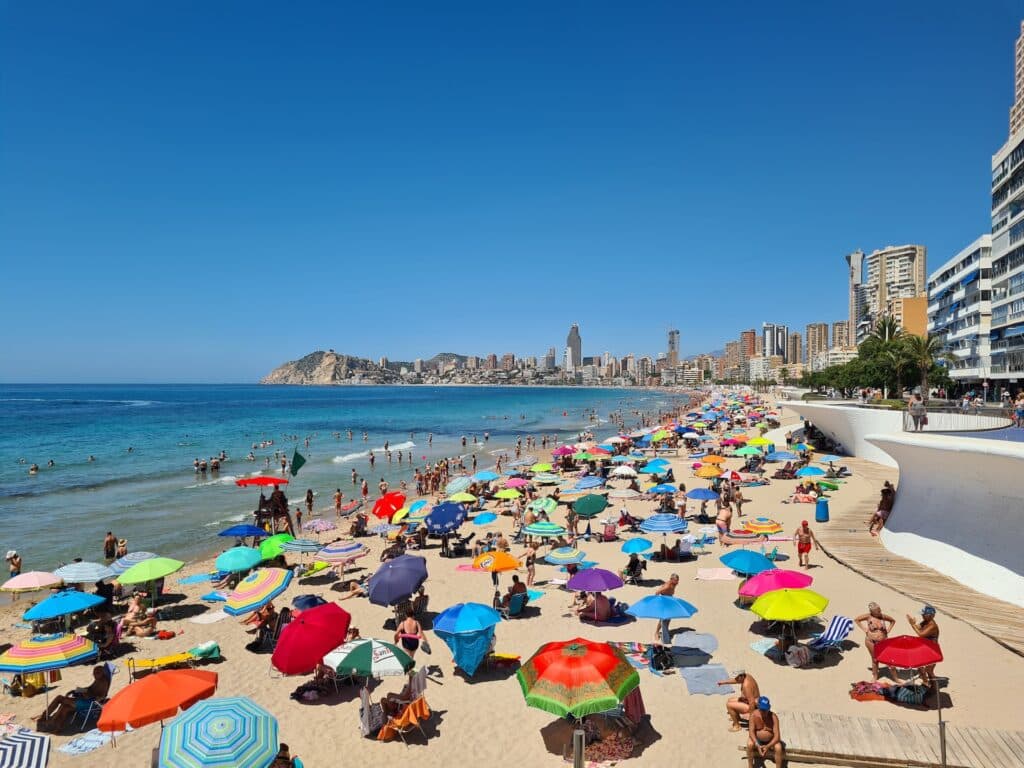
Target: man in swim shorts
{"x":765,"y":734}
{"x":805,"y":538}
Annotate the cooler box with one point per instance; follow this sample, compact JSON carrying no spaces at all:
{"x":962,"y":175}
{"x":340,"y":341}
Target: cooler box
{"x":821,"y":511}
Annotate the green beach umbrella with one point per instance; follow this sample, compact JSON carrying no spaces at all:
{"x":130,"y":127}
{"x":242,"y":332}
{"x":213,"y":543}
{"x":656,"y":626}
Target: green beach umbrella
{"x":748,"y":450}
{"x":583,"y":456}
{"x":661,"y":434}
{"x":590,"y":505}
{"x":150,"y":570}
{"x":508,"y":493}
{"x":368,"y":657}
{"x":545,"y":504}
{"x":544,"y":530}
{"x":463,"y":498}
{"x":272,"y":547}
{"x":541,"y":466}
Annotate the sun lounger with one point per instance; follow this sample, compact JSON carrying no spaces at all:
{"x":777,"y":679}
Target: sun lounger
{"x":135,"y":666}
{"x":835,"y":634}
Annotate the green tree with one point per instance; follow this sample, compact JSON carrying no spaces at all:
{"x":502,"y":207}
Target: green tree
{"x":897,"y":358}
{"x":923,"y":351}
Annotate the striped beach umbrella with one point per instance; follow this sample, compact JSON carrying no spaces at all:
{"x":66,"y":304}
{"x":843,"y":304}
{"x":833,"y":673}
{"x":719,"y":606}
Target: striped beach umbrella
{"x":544,"y":504}
{"x":565,"y":556}
{"x":546,"y":478}
{"x":368,"y":657}
{"x":762,"y":525}
{"x":342,"y":551}
{"x":122,"y":564}
{"x":25,"y":749}
{"x":220,"y":733}
{"x":544,"y":530}
{"x":43,"y":652}
{"x":663,"y":522}
{"x":458,"y":485}
{"x":301,"y":545}
{"x":383,"y":529}
{"x":588,"y":482}
{"x":623,"y":493}
{"x":257,"y":589}
{"x":31,"y":581}
{"x":318,"y":525}
{"x":83,"y":573}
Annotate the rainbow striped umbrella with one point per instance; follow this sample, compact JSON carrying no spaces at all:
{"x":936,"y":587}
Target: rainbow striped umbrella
{"x":220,"y":733}
{"x":342,"y":551}
{"x":257,"y":589}
{"x":762,"y":525}
{"x":43,"y":652}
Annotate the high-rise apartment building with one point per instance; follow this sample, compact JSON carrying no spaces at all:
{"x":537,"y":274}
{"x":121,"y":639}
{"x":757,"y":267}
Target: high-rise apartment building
{"x":748,"y":342}
{"x":673,"y":348}
{"x":817,"y":340}
{"x":508,"y":361}
{"x":1017,"y":108}
{"x":774,"y":339}
{"x":574,"y":345}
{"x":841,"y":335}
{"x":492,"y":362}
{"x":794,"y":348}
{"x":550,"y":360}
{"x":877,"y":279}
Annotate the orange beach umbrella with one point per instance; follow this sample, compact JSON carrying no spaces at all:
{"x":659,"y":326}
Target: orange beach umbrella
{"x":156,"y":697}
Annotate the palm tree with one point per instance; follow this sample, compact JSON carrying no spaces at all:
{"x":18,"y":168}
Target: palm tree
{"x":923,"y":350}
{"x":897,"y":356}
{"x":886,"y":331}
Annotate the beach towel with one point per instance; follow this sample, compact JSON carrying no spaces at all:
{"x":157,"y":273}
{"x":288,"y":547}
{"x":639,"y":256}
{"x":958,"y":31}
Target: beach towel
{"x":766,"y":647}
{"x":535,"y":594}
{"x":468,"y":567}
{"x":196,"y":578}
{"x":691,"y":642}
{"x":89,"y":742}
{"x":638,"y":655}
{"x":215,"y":597}
{"x":715,"y":574}
{"x":704,"y":680}
{"x":557,"y":582}
{"x":210,"y":617}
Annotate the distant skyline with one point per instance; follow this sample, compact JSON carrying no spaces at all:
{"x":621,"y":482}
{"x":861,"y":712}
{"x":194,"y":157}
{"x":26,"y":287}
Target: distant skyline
{"x":195,"y":192}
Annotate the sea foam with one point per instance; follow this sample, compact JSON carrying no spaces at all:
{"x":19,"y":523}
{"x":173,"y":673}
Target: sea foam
{"x":376,"y":451}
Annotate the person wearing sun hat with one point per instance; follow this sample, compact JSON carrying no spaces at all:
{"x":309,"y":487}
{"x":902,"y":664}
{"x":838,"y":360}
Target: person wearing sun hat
{"x":929,"y":630}
{"x":765,"y":734}
{"x":14,"y":561}
{"x":741,"y":705}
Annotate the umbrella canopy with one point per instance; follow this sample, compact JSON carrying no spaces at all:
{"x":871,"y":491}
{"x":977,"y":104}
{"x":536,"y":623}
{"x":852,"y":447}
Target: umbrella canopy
{"x":61,"y":604}
{"x":462,"y":498}
{"x":778,"y":455}
{"x":318,"y":525}
{"x":590,"y":505}
{"x":563,"y":450}
{"x":238,"y":559}
{"x":544,"y":530}
{"x":31,"y":581}
{"x":220,"y":733}
{"x":243,"y":531}
{"x":702,"y":494}
{"x":445,"y":517}
{"x":594,"y":580}
{"x":384,"y":529}
{"x":661,"y":607}
{"x":762,"y":525}
{"x":466,"y":617}
{"x":541,"y":466}
{"x":470,"y":648}
{"x":662,"y":488}
{"x":576,"y":677}
{"x":713,"y":460}
{"x":367,"y":657}
{"x":25,"y":749}
{"x":486,"y":476}
{"x":274,"y":546}
{"x":257,"y":589}
{"x":495,"y":562}
{"x":623,"y":493}
{"x":565,"y":556}
{"x":150,"y":570}
{"x":789,"y":605}
{"x":623,"y":471}
{"x":122,"y":564}
{"x":637,"y":545}
{"x":516,"y":482}
{"x":828,"y":459}
{"x":776,"y":578}
{"x":485,"y":519}
{"x":156,"y":697}
{"x":707,"y":472}
{"x":396,"y":579}
{"x":543,"y":504}
{"x":588,"y":482}
{"x":759,"y":441}
{"x":43,"y":652}
{"x":301,"y":545}
{"x":908,"y":652}
{"x":731,"y":474}
{"x":308,"y":637}
{"x":746,"y":562}
{"x":386,"y":506}
{"x":458,"y":484}
{"x":508,"y":493}
{"x":546,"y":478}
{"x":261,"y":480}
{"x":810,"y":472}
{"x":663,"y":522}
{"x":747,"y":450}
{"x":83,"y":573}
{"x":342,"y":551}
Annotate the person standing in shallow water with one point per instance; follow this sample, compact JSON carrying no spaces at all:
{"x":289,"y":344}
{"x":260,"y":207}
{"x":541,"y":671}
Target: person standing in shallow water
{"x":109,"y":546}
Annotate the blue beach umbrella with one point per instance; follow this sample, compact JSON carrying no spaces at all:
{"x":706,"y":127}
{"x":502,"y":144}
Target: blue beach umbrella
{"x":810,"y":472}
{"x":486,"y":476}
{"x":636,"y":546}
{"x":243,"y":531}
{"x":445,"y":517}
{"x":662,"y":607}
{"x":746,"y":562}
{"x":122,"y":564}
{"x":656,"y":469}
{"x":828,"y":459}
{"x":469,"y":649}
{"x":590,"y":481}
{"x":702,"y":494}
{"x":780,"y":456}
{"x":220,"y":733}
{"x":466,"y":617}
{"x":663,"y":522}
{"x":485,"y":519}
{"x":397,"y":579}
{"x":622,"y":459}
{"x":565,"y":556}
{"x":238,"y":559}
{"x":663,"y":488}
{"x":416,"y":506}
{"x":62,"y":603}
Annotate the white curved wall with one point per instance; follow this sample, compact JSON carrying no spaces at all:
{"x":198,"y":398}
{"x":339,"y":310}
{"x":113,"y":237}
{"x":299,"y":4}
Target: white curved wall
{"x":849,"y":425}
{"x":959,"y":509}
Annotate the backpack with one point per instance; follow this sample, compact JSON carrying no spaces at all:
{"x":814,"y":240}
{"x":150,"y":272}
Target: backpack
{"x":662,"y":659}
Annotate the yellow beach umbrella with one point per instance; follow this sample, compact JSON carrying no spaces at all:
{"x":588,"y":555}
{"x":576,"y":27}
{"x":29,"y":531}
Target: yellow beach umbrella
{"x":789,"y":604}
{"x":713,"y":460}
{"x":708,"y":471}
{"x":463,"y":498}
{"x":508,"y":493}
{"x":759,"y":441}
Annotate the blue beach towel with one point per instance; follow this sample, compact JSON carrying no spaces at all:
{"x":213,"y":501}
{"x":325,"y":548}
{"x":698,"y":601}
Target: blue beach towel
{"x":535,"y":594}
{"x":215,"y":597}
{"x":704,"y":680}
{"x":197,"y":578}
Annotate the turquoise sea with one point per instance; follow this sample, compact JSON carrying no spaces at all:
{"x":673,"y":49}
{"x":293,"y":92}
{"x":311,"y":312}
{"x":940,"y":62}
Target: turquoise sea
{"x":151,"y":495}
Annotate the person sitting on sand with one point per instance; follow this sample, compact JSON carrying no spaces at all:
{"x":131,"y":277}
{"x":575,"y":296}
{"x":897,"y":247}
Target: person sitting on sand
{"x":634,"y":568}
{"x":136,"y":613}
{"x":283,"y":759}
{"x":597,"y":608}
{"x":765,"y":734}
{"x":79,"y":701}
{"x":741,"y":705}
{"x":103,"y":632}
{"x":230,"y":581}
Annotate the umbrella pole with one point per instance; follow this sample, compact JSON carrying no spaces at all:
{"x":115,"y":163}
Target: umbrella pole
{"x":942,"y":723}
{"x":579,"y":742}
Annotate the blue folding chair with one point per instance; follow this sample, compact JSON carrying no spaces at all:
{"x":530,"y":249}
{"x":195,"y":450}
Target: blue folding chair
{"x":835,"y":634}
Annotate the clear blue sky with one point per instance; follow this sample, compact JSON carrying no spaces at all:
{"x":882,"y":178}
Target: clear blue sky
{"x":198,"y":191}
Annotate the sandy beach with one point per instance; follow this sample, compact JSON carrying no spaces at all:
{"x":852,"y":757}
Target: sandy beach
{"x":484,"y":720}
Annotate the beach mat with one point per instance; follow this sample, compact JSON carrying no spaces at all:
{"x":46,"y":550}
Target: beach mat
{"x":88,"y":742}
{"x":715,"y":574}
{"x":535,"y":594}
{"x":196,"y":578}
{"x":468,"y":567}
{"x":704,"y":680}
{"x":210,"y":617}
{"x":694,"y":642}
{"x":763,"y":645}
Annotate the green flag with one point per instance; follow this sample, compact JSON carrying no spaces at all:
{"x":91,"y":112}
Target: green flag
{"x":297,"y":461}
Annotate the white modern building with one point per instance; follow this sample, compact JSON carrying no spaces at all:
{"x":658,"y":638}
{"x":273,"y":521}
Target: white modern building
{"x":960,"y":310}
{"x":829,"y":357}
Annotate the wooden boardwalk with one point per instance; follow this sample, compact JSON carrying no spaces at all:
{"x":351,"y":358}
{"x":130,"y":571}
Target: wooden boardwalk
{"x":845,"y":539}
{"x":870,"y":743}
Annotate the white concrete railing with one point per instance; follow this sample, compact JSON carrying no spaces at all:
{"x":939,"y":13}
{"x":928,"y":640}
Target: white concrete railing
{"x":958,"y":509}
{"x":847,"y":425}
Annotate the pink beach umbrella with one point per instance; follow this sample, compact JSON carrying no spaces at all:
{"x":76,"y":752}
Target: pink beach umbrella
{"x":516,"y":482}
{"x":563,"y":450}
{"x":777,"y":578}
{"x":31,"y":581}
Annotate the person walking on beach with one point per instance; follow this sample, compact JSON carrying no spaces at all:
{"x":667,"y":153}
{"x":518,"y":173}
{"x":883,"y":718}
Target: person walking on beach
{"x":805,"y":538}
{"x":309,"y":500}
{"x":365,"y":489}
{"x":877,"y":522}
{"x":876,"y":626}
{"x":741,"y":705}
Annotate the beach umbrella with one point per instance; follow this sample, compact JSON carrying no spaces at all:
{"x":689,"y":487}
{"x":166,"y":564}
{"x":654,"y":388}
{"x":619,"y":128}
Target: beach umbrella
{"x":747,"y":450}
{"x":367,"y":657}
{"x":623,"y":493}
{"x":543,"y":504}
{"x":466,"y":617}
{"x":828,"y":459}
{"x":463,"y":498}
{"x":243,"y":531}
{"x":594,"y":580}
{"x":516,"y":482}
{"x":156,"y":697}
{"x":623,"y":459}
{"x":416,"y":506}
{"x":544,"y":529}
{"x":386,"y":506}
{"x":731,"y":474}
{"x":789,"y":605}
{"x":661,"y":607}
{"x":576,"y":677}
{"x":565,"y":556}
{"x":663,"y":488}
{"x":308,"y":637}
{"x":802,"y":447}
{"x":588,"y":482}
{"x":445,"y":517}
{"x":274,"y":546}
{"x":810,"y":472}
{"x":238,"y":559}
{"x":759,"y":441}
{"x":776,"y":578}
{"x":83,"y":573}
{"x":623,"y":471}
{"x":663,"y":522}
{"x":261,"y":481}
{"x":590,"y":505}
{"x":397,"y":579}
{"x":636,"y":546}
{"x":31,"y":581}
{"x":495,"y":562}
{"x":318,"y":525}
{"x":468,"y":648}
{"x":150,"y":571}
{"x":342,"y":551}
{"x":301,"y":545}
{"x":563,"y":450}
{"x":707,"y":472}
{"x":701,"y":494}
{"x":220,"y":733}
{"x":486,"y":476}
{"x":541,"y":466}
{"x":132,"y":558}
{"x":485,"y":518}
{"x":257,"y":589}
{"x":384,"y":529}
{"x":42,"y":652}
{"x":25,"y":749}
{"x":63,"y":603}
{"x":907,"y":652}
{"x":780,"y":456}
{"x":508,"y":493}
{"x":746,"y":562}
{"x":545,"y":478}
{"x":713,"y":460}
{"x":458,"y":485}
{"x":762,"y":525}
{"x":522,"y":463}
{"x":583,"y":456}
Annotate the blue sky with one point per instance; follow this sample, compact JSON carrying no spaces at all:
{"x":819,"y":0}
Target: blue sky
{"x":198,"y":191}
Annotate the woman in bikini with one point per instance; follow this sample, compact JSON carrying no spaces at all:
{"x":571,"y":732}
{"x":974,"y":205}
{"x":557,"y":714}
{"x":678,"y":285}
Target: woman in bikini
{"x":876,"y":626}
{"x":409,"y":634}
{"x":723,"y":522}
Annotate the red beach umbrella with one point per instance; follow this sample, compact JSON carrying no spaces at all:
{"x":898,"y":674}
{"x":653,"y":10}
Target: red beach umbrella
{"x":262,"y":480}
{"x":908,"y":652}
{"x":309,"y":637}
{"x":386,"y":506}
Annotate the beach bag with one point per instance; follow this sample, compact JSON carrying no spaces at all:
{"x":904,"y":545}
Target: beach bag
{"x":662,"y":659}
{"x":924,"y":420}
{"x":425,"y":646}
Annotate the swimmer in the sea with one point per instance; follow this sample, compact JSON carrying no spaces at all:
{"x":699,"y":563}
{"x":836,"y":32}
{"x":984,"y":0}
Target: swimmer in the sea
{"x":91,"y":457}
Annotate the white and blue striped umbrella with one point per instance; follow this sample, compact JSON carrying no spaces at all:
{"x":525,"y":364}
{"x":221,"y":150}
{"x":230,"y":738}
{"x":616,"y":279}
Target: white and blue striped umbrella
{"x":83,"y":573}
{"x":122,"y":564}
{"x":220,"y":733}
{"x":302,"y":545}
{"x":24,"y":749}
{"x":663,"y":522}
{"x":590,"y":481}
{"x":458,"y":485}
{"x":342,"y":551}
{"x":383,"y":529}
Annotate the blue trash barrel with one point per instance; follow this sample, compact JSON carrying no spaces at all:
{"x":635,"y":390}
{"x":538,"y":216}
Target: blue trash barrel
{"x":821,"y":511}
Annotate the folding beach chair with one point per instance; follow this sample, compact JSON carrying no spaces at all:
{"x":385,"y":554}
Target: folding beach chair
{"x":371,"y":715}
{"x":515,"y":606}
{"x":838,"y":629}
{"x":412,"y":716}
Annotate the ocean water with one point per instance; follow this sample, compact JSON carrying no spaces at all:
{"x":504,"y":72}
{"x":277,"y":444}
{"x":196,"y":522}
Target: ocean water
{"x":151,"y":495}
